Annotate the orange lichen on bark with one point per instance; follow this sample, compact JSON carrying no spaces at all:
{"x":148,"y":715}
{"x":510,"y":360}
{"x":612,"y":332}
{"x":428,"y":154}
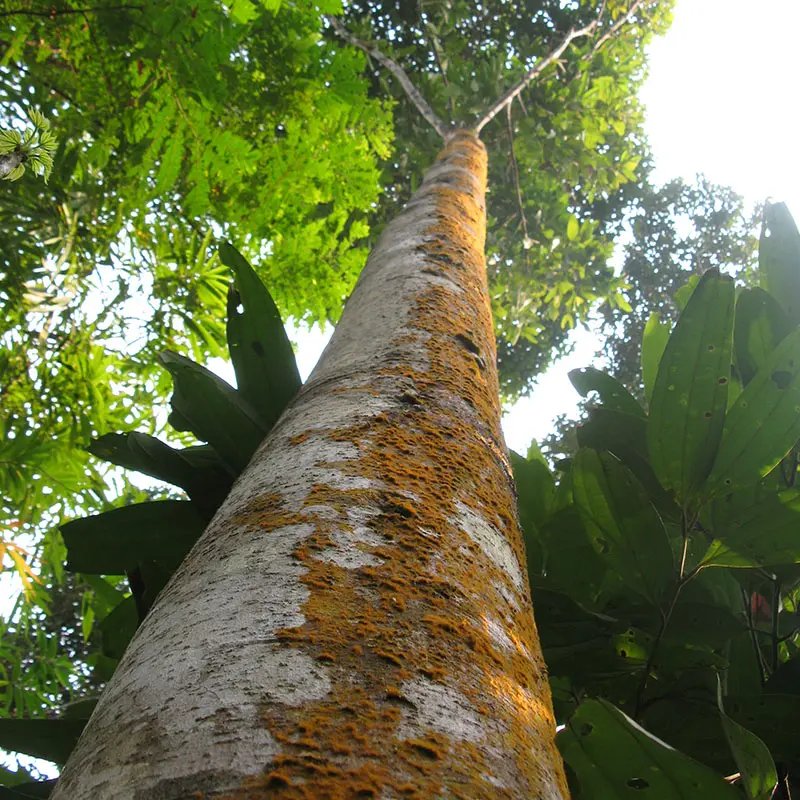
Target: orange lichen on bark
{"x":409,"y":629}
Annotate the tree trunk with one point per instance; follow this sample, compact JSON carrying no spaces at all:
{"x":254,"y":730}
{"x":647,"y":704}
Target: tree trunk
{"x":356,"y":620}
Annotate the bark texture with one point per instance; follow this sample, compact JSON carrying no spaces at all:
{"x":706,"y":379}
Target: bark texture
{"x":356,"y":621}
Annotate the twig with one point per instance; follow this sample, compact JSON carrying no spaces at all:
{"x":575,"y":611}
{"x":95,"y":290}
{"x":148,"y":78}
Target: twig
{"x":515,"y":172}
{"x":623,"y":20}
{"x":553,"y":56}
{"x":413,"y":93}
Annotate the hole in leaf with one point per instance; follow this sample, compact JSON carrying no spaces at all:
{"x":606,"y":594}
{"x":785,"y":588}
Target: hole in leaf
{"x":722,"y":381}
{"x":586,"y":729}
{"x":638,"y":783}
{"x":781,"y":378}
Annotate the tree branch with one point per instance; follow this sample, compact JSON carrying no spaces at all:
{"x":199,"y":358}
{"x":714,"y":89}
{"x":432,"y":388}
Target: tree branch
{"x":554,"y":55}
{"x":411,"y":91}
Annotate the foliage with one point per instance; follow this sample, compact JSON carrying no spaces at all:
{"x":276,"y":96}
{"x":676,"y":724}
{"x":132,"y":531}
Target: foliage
{"x":664,"y":557}
{"x":674,"y":231}
{"x":562,"y":161}
{"x":32,"y":148}
{"x":176,"y":124}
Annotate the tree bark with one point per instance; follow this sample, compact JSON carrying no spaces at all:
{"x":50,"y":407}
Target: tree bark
{"x":356,"y":620}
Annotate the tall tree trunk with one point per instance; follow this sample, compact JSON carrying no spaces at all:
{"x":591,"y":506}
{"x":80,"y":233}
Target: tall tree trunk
{"x":356,"y":620}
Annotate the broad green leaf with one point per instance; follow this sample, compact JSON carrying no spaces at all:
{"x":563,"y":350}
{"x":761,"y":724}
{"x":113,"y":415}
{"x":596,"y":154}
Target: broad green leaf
{"x":119,"y":540}
{"x":51,"y":739}
{"x":535,"y":489}
{"x":755,"y":531}
{"x":197,"y":470}
{"x":759,"y":326}
{"x":764,"y":422}
{"x":654,"y":341}
{"x":213,"y":411}
{"x":779,"y":259}
{"x":613,"y":758}
{"x":759,"y":776}
{"x":262,"y":355}
{"x":612,"y":393}
{"x":625,"y":435}
{"x":624,"y":528}
{"x":687,"y":409}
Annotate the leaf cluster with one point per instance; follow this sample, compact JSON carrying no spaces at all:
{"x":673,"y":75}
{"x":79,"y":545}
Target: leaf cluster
{"x":664,"y":560}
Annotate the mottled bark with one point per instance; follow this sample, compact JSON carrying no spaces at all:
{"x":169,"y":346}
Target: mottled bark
{"x":10,"y":161}
{"x":356,"y":620}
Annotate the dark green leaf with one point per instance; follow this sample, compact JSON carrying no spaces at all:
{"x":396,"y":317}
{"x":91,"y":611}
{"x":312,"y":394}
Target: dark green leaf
{"x":50,"y":739}
{"x":119,"y":540}
{"x":759,"y":326}
{"x":779,"y":259}
{"x":625,"y":435}
{"x":213,"y":410}
{"x":197,"y":470}
{"x":613,"y":758}
{"x":612,"y":393}
{"x":687,"y":410}
{"x":535,"y":489}
{"x":33,"y":790}
{"x":759,"y":776}
{"x":625,"y":529}
{"x":764,"y":422}
{"x":753,"y":530}
{"x":118,"y":627}
{"x":262,"y":355}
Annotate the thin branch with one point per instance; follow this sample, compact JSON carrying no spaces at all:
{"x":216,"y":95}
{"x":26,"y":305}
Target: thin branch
{"x":515,"y":171}
{"x":532,"y":74}
{"x":413,"y":93}
{"x":623,"y":20}
{"x":554,"y":56}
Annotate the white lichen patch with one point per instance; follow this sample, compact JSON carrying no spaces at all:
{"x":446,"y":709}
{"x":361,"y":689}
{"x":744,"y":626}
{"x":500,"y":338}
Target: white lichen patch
{"x":491,"y":541}
{"x":498,"y":634}
{"x":442,"y":709}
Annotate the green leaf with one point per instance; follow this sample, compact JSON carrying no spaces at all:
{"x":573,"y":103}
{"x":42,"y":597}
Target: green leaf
{"x":197,"y":470}
{"x":213,"y":410}
{"x":654,"y":341}
{"x":573,"y":228}
{"x":687,"y":410}
{"x":50,"y":739}
{"x":779,"y":259}
{"x":118,"y":627}
{"x":625,"y":435}
{"x":755,"y":530}
{"x":535,"y":489}
{"x":759,"y":326}
{"x":612,"y":393}
{"x":262,"y":355}
{"x":613,"y":758}
{"x":759,"y":776}
{"x":624,"y":527}
{"x":764,"y":422}
{"x":117,"y":541}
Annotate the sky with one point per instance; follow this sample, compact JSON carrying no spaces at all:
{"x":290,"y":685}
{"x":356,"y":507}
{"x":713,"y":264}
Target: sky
{"x":722,"y":99}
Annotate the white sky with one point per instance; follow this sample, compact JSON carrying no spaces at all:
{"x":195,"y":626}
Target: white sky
{"x":722,"y":99}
